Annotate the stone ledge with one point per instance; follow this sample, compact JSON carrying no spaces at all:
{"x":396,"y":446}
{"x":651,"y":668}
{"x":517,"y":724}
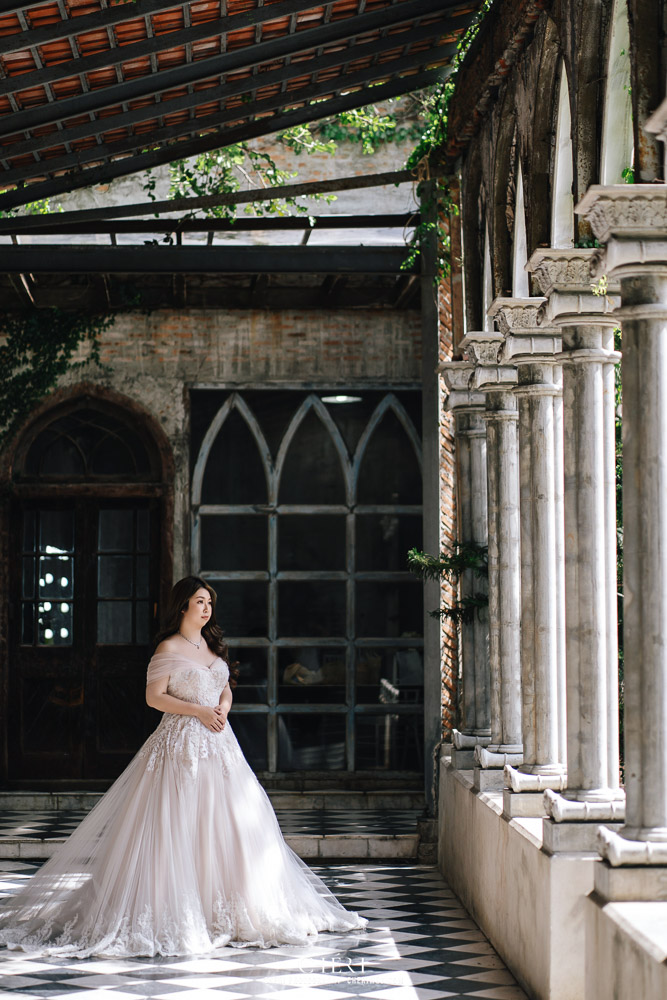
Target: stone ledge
{"x":628,"y":950}
{"x":400,"y":845}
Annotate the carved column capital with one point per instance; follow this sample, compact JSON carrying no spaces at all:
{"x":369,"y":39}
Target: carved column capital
{"x":632,"y":221}
{"x":564,"y":277}
{"x":462,"y":395}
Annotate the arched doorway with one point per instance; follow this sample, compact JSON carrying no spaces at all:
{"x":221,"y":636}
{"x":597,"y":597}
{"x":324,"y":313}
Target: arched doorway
{"x":88,"y":501}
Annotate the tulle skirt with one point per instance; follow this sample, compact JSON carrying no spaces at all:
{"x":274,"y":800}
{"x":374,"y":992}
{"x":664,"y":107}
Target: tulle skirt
{"x":174,"y":860}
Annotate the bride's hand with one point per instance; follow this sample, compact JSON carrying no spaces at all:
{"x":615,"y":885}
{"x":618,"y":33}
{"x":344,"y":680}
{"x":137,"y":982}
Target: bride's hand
{"x":221,"y":714}
{"x":210,"y":718}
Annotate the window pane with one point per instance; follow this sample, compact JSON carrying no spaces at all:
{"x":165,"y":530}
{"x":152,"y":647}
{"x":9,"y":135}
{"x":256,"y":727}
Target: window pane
{"x":312,"y":472}
{"x":251,"y":683}
{"x":143,"y":623}
{"x":311,"y":541}
{"x":115,"y":533}
{"x":233,"y":541}
{"x":389,"y":609}
{"x":142,"y":576}
{"x":114,"y":576}
{"x":114,"y":622}
{"x":28,"y":584}
{"x":383,"y":540}
{"x":381,"y":672}
{"x":390,"y":742}
{"x":389,"y":471}
{"x":312,"y":607}
{"x":311,"y":742}
{"x":234,"y":471}
{"x":242,"y":607}
{"x":55,"y":577}
{"x":143,"y":531}
{"x":250,"y":731}
{"x":29,"y":524}
{"x":56,"y":530}
{"x":312,"y":675}
{"x":54,"y":621}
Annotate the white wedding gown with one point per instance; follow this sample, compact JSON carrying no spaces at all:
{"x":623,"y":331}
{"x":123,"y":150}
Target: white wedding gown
{"x":181,"y":856}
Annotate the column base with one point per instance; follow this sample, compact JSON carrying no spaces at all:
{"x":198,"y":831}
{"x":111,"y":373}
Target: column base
{"x":548,"y":776}
{"x":563,"y":809}
{"x":468,"y":741}
{"x":564,"y":838}
{"x":488,"y":780}
{"x":619,"y":850}
{"x":622,"y":885}
{"x":463,"y":760}
{"x":522,"y":804}
{"x":497,"y":757}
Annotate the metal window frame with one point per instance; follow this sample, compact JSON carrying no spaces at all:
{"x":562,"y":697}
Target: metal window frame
{"x":350,"y":466}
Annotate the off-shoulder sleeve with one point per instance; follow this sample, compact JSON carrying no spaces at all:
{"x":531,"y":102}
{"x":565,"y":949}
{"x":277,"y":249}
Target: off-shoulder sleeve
{"x":161,"y":665}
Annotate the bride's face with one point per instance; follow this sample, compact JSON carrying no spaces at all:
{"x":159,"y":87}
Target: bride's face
{"x":198,"y":611}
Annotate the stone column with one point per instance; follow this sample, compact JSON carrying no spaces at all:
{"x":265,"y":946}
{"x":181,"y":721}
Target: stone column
{"x":533,"y":350}
{"x":632,"y":222}
{"x":468,"y":408}
{"x":502,"y":464}
{"x":587,"y":326}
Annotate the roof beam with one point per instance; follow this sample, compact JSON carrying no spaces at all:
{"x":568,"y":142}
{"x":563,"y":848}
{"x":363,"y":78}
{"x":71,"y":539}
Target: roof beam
{"x":240,"y":225}
{"x":217,"y":119}
{"x":150,"y":46}
{"x":98,"y":126}
{"x":153,"y":158}
{"x":203,"y":69}
{"x":201,"y":260}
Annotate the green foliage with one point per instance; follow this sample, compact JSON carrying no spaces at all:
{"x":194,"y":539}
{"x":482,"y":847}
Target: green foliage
{"x":628,"y":175}
{"x":369,"y":126}
{"x":41,"y":207}
{"x":464,"y":556}
{"x":36,"y":348}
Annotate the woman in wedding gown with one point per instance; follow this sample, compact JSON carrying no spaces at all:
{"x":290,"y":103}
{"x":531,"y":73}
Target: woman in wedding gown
{"x":183,"y":854}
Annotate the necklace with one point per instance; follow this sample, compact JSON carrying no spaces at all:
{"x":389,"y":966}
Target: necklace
{"x":191,"y":641}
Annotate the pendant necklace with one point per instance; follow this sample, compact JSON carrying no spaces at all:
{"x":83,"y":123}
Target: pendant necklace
{"x":191,"y":641}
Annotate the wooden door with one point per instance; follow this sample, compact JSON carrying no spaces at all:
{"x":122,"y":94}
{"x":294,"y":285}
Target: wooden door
{"x":85,"y":601}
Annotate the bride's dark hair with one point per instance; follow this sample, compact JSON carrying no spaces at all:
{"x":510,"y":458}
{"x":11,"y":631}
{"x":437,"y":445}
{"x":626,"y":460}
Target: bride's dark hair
{"x":178,"y":602}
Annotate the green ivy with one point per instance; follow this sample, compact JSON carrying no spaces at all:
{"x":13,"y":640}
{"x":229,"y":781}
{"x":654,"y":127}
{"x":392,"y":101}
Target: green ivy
{"x":450,"y":566}
{"x":36,"y":349}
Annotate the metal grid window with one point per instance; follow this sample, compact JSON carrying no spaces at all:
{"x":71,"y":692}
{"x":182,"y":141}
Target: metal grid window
{"x":304,"y":505}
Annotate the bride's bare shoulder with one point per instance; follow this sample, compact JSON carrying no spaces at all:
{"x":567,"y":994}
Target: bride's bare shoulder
{"x":168,"y":645}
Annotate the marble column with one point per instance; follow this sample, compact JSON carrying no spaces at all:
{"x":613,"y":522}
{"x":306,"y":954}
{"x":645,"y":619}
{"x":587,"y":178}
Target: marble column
{"x":533,"y":350}
{"x":470,"y":433}
{"x":502,"y":463}
{"x":632,"y":221}
{"x":591,"y":628}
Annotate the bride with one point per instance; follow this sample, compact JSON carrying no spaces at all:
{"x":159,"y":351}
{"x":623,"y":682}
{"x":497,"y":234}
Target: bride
{"x":183,"y":854}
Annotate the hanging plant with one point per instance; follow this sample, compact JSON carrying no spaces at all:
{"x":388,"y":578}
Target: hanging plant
{"x":450,"y":566}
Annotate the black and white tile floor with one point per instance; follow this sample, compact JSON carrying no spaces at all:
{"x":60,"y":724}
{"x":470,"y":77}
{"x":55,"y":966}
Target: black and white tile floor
{"x":48,"y":824}
{"x":420,"y":945}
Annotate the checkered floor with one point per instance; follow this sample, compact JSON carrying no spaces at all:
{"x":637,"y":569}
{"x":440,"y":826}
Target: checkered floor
{"x":420,"y":945}
{"x":52,"y":823}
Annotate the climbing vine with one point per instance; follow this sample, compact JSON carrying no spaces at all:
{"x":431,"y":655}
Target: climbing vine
{"x":36,"y":348}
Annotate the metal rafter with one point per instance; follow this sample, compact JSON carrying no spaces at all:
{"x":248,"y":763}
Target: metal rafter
{"x":201,"y":260}
{"x":214,"y":66}
{"x":240,"y":225}
{"x":98,"y":21}
{"x":153,"y":158}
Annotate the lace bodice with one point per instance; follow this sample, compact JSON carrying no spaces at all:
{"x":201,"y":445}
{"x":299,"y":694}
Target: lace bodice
{"x":184,"y":739}
{"x":200,"y":685}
